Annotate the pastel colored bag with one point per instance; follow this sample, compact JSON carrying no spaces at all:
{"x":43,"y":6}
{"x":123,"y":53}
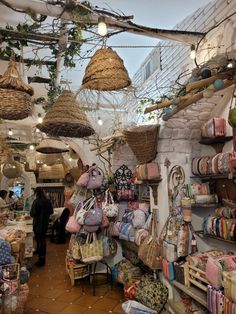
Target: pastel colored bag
{"x":126,"y":232}
{"x":83,"y":179}
{"x":109,"y":207}
{"x":230,"y":285}
{"x":105,"y":222}
{"x":214,"y":127}
{"x":139,"y":219}
{"x":125,"y":194}
{"x":114,"y":229}
{"x":148,"y":171}
{"x":109,"y":245}
{"x":152,"y":293}
{"x":72,"y":224}
{"x":95,"y":178}
{"x":92,"y":250}
{"x":80,"y":215}
{"x":93,"y":216}
{"x":5,"y":253}
{"x":150,"y":250}
{"x":77,"y":197}
{"x":134,"y":307}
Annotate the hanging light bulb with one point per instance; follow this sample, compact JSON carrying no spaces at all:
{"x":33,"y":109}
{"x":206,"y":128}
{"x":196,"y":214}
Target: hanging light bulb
{"x":37,"y":130}
{"x":70,"y":159}
{"x":193,"y":52}
{"x":31,"y":147}
{"x":102,"y":26}
{"x":10,"y":132}
{"x":40,"y":119}
{"x":100,"y":122}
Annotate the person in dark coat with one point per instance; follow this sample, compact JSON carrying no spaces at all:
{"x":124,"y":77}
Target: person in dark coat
{"x":40,"y":211}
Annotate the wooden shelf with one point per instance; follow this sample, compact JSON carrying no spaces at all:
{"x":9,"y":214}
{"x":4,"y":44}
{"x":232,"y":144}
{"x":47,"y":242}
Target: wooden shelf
{"x":201,"y":233}
{"x":50,"y":184}
{"x":212,"y":176}
{"x":216,"y":142}
{"x":195,"y":293}
{"x":204,"y":206}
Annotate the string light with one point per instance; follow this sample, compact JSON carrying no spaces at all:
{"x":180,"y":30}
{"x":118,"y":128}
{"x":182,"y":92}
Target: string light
{"x":37,"y":130}
{"x":70,"y":159}
{"x":10,"y":132}
{"x":31,"y":147}
{"x":40,"y":119}
{"x":100,"y":122}
{"x":102,"y":26}
{"x":193,"y":52}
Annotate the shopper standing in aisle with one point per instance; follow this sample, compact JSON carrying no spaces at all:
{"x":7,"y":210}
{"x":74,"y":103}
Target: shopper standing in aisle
{"x":40,"y":211}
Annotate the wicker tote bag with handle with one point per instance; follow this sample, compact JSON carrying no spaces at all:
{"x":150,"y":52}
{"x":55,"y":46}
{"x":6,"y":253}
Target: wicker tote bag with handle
{"x":150,"y":250}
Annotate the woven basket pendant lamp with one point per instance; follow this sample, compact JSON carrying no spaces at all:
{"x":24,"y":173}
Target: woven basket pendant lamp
{"x":106,"y":72}
{"x":15,"y":95}
{"x":66,"y":118}
{"x":51,"y":146}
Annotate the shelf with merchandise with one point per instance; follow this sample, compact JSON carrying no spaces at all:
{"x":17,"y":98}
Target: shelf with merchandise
{"x":201,"y":233}
{"x":216,"y":142}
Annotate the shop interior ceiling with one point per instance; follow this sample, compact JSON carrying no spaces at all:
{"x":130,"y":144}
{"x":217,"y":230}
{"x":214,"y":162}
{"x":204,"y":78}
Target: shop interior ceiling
{"x":110,"y":107}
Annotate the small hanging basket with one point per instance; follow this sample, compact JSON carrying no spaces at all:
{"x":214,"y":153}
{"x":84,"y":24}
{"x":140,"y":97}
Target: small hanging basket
{"x":106,"y":72}
{"x":15,"y":95}
{"x":66,"y":118}
{"x":143,"y":142}
{"x":51,"y":146}
{"x":12,"y":169}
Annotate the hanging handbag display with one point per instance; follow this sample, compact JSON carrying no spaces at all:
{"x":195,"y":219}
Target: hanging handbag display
{"x":109,"y":244}
{"x":150,"y":250}
{"x":148,"y":171}
{"x":80,"y":214}
{"x":77,"y":197}
{"x":109,"y":207}
{"x":92,"y":250}
{"x":93,"y":216}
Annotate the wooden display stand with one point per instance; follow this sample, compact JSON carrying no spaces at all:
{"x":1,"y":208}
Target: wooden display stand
{"x":76,"y":271}
{"x":196,"y":277}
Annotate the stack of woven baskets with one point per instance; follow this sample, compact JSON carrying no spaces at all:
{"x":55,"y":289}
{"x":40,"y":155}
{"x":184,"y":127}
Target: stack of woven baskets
{"x":15,"y":95}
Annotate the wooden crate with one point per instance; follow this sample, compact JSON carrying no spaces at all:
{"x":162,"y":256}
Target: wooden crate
{"x":76,"y":271}
{"x":195,"y":276}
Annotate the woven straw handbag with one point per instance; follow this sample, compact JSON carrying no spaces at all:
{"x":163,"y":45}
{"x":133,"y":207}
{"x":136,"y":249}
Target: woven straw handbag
{"x":12,"y":169}
{"x":15,"y":95}
{"x":143,"y":142}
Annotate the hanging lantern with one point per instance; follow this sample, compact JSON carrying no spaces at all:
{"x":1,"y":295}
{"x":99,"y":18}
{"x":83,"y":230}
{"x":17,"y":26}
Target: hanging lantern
{"x":12,"y":169}
{"x":66,"y":118}
{"x":51,"y":146}
{"x":48,"y":159}
{"x":106,"y":72}
{"x":15,"y":95}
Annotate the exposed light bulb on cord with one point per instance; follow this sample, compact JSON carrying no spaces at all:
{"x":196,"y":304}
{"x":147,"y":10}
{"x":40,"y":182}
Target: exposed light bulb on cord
{"x":100,"y":122}
{"x":31,"y":147}
{"x":102,"y":26}
{"x":40,"y":119}
{"x":193,"y":52}
{"x":70,"y":159}
{"x":10,"y":132}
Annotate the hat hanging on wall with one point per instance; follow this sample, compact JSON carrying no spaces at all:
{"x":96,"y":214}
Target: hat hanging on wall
{"x":51,"y":146}
{"x":66,"y":118}
{"x":15,"y":95}
{"x":106,"y":72}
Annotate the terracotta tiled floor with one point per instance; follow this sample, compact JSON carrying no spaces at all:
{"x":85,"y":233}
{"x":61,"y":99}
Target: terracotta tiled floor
{"x":51,"y":290}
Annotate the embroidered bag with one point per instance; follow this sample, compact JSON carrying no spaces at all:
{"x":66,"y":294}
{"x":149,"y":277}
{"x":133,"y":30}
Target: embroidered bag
{"x":5,"y":252}
{"x":80,"y":215}
{"x":72,"y":224}
{"x":139,"y":219}
{"x":148,"y":171}
{"x":92,"y":250}
{"x":109,"y":207}
{"x":95,"y":178}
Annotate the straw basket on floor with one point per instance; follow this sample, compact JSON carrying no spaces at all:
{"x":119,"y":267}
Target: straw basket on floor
{"x":51,"y":146}
{"x":12,"y":169}
{"x":51,"y":172}
{"x":15,"y":95}
{"x":106,"y":72}
{"x":143,"y":141}
{"x":66,"y":118}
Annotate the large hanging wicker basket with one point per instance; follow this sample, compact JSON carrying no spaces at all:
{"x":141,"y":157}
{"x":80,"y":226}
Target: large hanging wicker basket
{"x":48,"y":159}
{"x":12,"y":169}
{"x":106,"y":72}
{"x":52,"y":172}
{"x":51,"y":146}
{"x":66,"y":118}
{"x":143,"y":141}
{"x":15,"y":95}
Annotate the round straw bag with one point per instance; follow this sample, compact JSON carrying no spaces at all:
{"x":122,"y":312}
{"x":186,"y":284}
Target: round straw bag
{"x":15,"y":95}
{"x":143,"y":142}
{"x":106,"y":72}
{"x":12,"y":169}
{"x":51,"y":146}
{"x":66,"y":118}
